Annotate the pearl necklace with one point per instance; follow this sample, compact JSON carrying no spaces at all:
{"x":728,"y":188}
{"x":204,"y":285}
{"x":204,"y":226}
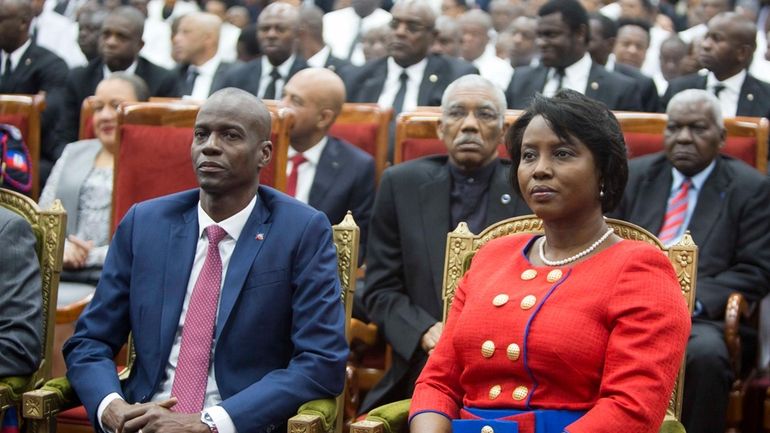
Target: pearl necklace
{"x":576,"y":256}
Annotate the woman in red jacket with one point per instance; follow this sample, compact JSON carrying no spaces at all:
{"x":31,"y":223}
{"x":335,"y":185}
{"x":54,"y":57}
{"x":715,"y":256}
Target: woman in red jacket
{"x":574,"y":331}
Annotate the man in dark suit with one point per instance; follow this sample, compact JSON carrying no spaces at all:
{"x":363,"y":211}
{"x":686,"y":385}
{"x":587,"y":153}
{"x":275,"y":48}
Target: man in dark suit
{"x":727,"y":51}
{"x":195,"y":46}
{"x":723,"y":203}
{"x":277,"y":29}
{"x":230,"y":293}
{"x":600,"y":46}
{"x":311,"y":43}
{"x":119,"y":44}
{"x":26,"y":68}
{"x":417,"y":204}
{"x":325,"y":172}
{"x":20,"y":297}
{"x":562,"y":37}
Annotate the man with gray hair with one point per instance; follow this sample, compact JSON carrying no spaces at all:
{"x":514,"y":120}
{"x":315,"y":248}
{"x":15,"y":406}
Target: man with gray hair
{"x":418,"y":202}
{"x":723,"y":203}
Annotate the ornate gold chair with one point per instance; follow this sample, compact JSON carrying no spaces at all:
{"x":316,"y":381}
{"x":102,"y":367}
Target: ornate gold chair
{"x":41,"y":406}
{"x":462,"y":246}
{"x":49,"y":227}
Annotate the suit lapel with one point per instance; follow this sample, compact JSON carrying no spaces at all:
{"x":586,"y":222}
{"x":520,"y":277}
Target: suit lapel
{"x":746,"y":104}
{"x":537,"y":83}
{"x":709,"y":205}
{"x":595,"y":78}
{"x":502,"y":202}
{"x":372,"y":86}
{"x":430,"y":78}
{"x":19,"y":74}
{"x":325,"y":173}
{"x":653,"y":197}
{"x":434,"y":211}
{"x":219,"y":74}
{"x":180,"y":254}
{"x":246,"y":250}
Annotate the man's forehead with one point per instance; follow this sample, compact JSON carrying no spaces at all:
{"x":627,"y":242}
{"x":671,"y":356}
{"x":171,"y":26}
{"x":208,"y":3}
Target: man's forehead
{"x":692,"y":112}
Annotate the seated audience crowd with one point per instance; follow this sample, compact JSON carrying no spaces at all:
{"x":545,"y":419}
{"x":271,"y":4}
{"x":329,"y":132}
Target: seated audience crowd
{"x":256,"y":267}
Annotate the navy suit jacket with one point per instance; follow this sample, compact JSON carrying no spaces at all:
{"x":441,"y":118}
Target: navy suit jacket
{"x":280,"y":331}
{"x":649,"y":92}
{"x":616,"y":91}
{"x":729,"y":225}
{"x":754,"y":100}
{"x":344,"y":181}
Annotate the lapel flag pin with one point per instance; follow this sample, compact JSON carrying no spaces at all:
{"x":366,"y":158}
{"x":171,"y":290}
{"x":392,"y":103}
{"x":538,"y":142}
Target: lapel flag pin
{"x":433,"y":78}
{"x":260,"y":236}
{"x":750,"y":97}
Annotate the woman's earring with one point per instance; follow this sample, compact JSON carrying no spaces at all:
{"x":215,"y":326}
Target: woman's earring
{"x":601,"y":192}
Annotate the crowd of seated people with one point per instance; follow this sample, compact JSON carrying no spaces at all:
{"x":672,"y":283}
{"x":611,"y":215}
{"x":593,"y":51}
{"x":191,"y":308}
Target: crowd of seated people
{"x":474,"y":60}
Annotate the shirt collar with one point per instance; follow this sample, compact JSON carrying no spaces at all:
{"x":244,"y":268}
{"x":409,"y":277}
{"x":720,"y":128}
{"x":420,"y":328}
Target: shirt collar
{"x":610,"y":65}
{"x":733,"y":83}
{"x":480,"y":176}
{"x":16,"y":54}
{"x":233,"y":225}
{"x":131,"y":70}
{"x":318,"y":60}
{"x":414,"y":72}
{"x":312,"y":155}
{"x":581,"y":68}
{"x":697,"y":181}
{"x":209,"y":68}
{"x":283,"y":68}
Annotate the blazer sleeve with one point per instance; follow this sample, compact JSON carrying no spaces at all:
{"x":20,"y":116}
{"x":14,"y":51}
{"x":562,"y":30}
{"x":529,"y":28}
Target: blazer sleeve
{"x":650,"y":325}
{"x":104,"y":326}
{"x":20,"y":298}
{"x":386,"y":298}
{"x":320,"y":350}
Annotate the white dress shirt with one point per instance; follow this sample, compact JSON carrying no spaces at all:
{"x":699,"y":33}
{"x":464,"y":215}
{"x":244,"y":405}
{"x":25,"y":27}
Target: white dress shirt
{"x":575,"y":77}
{"x":228,"y":42}
{"x":155,"y":9}
{"x":494,"y":69}
{"x":692,"y":195}
{"x":59,"y":35}
{"x":233,"y":226}
{"x":15,"y":56}
{"x":728,"y":97}
{"x":651,"y":63}
{"x":318,"y":60}
{"x":130,"y":70}
{"x":393,"y":83}
{"x":695,"y":32}
{"x":341,"y":28}
{"x":265,"y":78}
{"x":202,"y":86}
{"x":306,"y":174}
{"x":157,"y":43}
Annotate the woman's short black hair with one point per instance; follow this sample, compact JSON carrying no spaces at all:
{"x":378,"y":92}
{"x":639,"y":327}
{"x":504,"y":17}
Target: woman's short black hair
{"x":571,"y":116}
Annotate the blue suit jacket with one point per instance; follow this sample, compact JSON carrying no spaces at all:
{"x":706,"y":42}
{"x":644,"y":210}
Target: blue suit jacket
{"x":344,"y":181}
{"x":279,"y":338}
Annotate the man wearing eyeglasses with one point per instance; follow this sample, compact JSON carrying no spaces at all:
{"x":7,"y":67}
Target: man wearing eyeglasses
{"x":408,"y":76}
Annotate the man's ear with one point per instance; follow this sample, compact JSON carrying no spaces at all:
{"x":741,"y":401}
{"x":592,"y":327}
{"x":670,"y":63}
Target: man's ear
{"x":440,"y":130}
{"x":326,"y":118}
{"x":265,"y":153}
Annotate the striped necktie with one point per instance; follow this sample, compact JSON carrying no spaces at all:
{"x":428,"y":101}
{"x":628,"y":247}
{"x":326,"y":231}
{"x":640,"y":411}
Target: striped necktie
{"x":675,"y":213}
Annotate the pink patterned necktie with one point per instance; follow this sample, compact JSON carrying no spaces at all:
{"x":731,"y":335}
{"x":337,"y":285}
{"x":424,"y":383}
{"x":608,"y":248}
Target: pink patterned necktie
{"x":192,"y":369}
{"x":675,"y":213}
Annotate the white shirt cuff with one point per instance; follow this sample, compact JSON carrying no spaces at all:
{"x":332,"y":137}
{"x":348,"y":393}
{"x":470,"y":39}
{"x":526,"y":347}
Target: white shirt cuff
{"x":103,"y":405}
{"x":221,"y":419}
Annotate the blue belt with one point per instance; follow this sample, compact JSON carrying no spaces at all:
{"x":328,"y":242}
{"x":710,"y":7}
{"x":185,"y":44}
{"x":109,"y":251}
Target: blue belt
{"x":546,"y":421}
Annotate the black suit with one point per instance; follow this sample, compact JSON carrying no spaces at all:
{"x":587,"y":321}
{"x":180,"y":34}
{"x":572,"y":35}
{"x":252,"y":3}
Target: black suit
{"x":217,"y":80}
{"x":729,"y":225}
{"x":616,"y":91}
{"x":344,"y":181}
{"x":40,"y":70}
{"x":366,"y":84}
{"x":405,"y":260}
{"x":341,"y":67}
{"x":246,"y":76}
{"x":649,"y":92}
{"x":82,"y":82}
{"x":754,"y":100}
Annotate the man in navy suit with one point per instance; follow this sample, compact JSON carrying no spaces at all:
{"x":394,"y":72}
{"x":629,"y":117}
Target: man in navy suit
{"x":255,"y":269}
{"x":325,"y":172}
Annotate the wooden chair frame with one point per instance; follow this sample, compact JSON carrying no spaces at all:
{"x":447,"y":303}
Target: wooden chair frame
{"x":31,"y":106}
{"x":462,"y":245}
{"x":353,"y":113}
{"x":49,"y":227}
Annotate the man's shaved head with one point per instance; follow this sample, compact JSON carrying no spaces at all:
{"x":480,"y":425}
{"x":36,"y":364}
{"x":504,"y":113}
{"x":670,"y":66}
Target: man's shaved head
{"x":315,"y":95}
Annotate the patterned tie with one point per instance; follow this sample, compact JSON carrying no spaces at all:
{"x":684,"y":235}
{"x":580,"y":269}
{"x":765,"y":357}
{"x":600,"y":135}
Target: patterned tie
{"x":192,"y":369}
{"x":291,"y":182}
{"x":675,"y":213}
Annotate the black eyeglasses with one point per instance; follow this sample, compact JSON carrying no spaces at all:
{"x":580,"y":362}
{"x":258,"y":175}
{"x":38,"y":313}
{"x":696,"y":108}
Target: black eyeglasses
{"x":411,"y":26}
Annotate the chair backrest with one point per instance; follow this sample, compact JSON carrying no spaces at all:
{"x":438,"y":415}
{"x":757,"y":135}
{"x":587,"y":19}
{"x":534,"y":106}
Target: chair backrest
{"x":746,"y":136}
{"x":416,"y":134}
{"x":153,"y":156}
{"x":365,"y":125}
{"x":23,"y":112}
{"x":86,"y":128}
{"x":49,"y":227}
{"x":462,"y":245}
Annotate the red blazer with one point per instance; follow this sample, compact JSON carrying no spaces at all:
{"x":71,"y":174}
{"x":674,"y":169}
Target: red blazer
{"x":606,"y":335}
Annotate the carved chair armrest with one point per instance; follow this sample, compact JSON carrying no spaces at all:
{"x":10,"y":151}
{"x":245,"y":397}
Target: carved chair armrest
{"x":736,"y":309}
{"x":363,"y":332}
{"x":315,"y":416}
{"x":11,"y":389}
{"x":55,"y":396}
{"x":389,"y":418}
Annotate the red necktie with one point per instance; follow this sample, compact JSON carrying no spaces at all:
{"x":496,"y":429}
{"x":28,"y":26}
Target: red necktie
{"x":192,"y":369}
{"x":675,"y":213}
{"x":291,"y":182}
